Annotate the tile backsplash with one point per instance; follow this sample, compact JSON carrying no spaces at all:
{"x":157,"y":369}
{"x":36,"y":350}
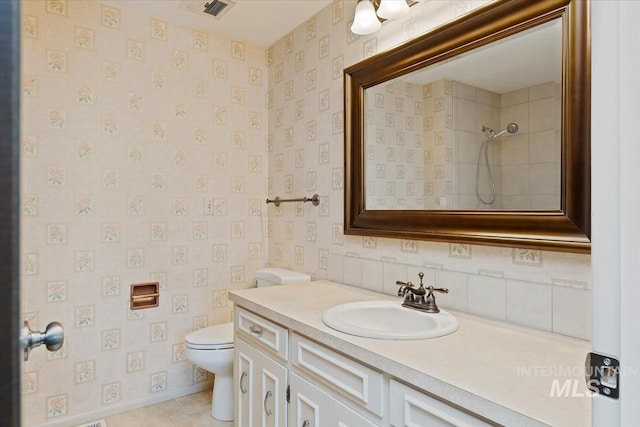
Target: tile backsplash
{"x":547,"y":305}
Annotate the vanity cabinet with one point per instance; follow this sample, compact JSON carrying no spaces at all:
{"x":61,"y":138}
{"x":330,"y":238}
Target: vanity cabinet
{"x":260,"y":377}
{"x":452,"y":380}
{"x":283,"y":379}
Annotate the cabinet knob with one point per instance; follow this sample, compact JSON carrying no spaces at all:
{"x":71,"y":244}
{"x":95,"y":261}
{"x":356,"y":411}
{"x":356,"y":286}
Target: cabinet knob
{"x":306,"y":423}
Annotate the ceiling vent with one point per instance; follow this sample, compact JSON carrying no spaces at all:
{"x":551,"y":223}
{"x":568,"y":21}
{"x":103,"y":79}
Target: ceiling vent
{"x":214,"y":8}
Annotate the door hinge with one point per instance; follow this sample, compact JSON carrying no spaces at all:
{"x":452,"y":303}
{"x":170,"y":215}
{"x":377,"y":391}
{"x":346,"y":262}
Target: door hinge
{"x":602,"y":374}
{"x":288,"y":394}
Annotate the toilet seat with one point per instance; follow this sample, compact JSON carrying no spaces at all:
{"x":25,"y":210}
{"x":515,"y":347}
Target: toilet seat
{"x":216,"y":337}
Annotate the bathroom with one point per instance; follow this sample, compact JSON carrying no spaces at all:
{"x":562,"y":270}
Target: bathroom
{"x":148,"y":149}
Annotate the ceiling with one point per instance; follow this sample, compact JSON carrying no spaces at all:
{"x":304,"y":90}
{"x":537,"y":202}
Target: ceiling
{"x":525,"y":59}
{"x":257,"y":22}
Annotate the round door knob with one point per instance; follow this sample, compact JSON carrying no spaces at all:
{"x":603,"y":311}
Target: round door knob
{"x":54,"y":336}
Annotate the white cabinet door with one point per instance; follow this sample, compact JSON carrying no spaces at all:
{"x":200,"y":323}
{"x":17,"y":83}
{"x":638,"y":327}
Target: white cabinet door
{"x":243,"y":380}
{"x":312,"y":407}
{"x":271,"y":409}
{"x":412,"y":408}
{"x":260,"y":386}
{"x":305,"y":406}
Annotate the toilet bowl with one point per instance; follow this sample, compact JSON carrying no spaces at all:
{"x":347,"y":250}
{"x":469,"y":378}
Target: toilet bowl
{"x":211,"y":348}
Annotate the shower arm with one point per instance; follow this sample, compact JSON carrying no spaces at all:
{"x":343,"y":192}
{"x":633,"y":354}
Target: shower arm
{"x":511,"y":128}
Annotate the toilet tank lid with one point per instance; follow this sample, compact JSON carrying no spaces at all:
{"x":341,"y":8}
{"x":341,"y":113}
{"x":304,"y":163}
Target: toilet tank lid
{"x":216,"y":334}
{"x":281,"y":275}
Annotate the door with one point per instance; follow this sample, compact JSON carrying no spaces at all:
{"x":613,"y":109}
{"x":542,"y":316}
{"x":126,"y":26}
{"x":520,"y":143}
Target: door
{"x":9,"y":227}
{"x":306,"y":404}
{"x":616,"y":202}
{"x":272,"y":406}
{"x":260,"y":388}
{"x":243,"y":371}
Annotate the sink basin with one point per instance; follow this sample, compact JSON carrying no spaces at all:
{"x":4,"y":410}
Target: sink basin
{"x":388,"y":320}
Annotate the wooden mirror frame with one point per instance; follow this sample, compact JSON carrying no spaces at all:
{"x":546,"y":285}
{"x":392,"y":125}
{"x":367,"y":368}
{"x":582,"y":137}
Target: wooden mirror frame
{"x":567,"y":229}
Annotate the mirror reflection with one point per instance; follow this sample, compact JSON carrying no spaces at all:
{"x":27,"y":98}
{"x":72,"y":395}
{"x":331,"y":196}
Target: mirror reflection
{"x":481,"y":130}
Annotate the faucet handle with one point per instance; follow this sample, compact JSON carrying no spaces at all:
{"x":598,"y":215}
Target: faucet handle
{"x":404,"y":288}
{"x":432,"y":289}
{"x":430,"y":300}
{"x":401,"y":283}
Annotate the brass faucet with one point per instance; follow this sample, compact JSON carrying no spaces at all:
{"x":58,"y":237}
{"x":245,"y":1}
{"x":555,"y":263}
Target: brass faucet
{"x":421,"y":298}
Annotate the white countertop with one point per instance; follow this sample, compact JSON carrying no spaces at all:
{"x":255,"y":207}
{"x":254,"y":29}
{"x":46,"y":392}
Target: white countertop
{"x":497,"y":370}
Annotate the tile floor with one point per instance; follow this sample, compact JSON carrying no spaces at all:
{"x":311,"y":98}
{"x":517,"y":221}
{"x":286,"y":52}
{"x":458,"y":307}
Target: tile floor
{"x":188,"y":411}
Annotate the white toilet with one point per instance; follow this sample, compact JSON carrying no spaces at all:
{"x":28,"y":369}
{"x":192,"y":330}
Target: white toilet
{"x":211,"y":348}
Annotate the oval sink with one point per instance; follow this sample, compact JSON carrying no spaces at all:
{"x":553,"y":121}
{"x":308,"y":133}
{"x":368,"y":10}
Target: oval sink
{"x":388,"y":320}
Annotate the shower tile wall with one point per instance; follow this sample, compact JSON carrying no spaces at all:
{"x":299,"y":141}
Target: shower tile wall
{"x":531,"y":158}
{"x":143,"y":159}
{"x":474,"y":108}
{"x":525,"y":166}
{"x":306,"y":156}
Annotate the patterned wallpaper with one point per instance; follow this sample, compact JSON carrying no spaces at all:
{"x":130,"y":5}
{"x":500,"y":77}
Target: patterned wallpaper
{"x":148,"y":150}
{"x":544,"y":290}
{"x":143,"y":160}
{"x":395,"y":150}
{"x":440,"y":123}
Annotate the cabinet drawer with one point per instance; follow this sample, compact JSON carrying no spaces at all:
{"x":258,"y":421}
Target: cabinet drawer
{"x":267,"y":335}
{"x":413,"y":408}
{"x":359,"y":383}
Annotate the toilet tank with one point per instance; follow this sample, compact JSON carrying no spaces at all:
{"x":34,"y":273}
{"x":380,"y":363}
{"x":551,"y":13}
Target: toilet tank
{"x":279,"y":276}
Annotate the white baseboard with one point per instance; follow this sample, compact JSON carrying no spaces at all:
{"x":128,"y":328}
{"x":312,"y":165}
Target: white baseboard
{"x":126,"y":406}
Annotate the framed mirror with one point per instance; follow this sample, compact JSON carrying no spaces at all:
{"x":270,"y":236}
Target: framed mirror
{"x":476,"y":132}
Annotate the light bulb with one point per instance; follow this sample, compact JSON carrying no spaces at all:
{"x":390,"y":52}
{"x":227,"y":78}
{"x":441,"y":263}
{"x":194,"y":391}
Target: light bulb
{"x":391,"y":9}
{"x":365,"y":20}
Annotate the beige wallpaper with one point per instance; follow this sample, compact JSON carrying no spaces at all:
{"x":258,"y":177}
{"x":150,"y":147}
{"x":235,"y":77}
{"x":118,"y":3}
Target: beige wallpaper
{"x":143,"y":160}
{"x":395,"y":149}
{"x":545,"y":290}
{"x":148,"y":150}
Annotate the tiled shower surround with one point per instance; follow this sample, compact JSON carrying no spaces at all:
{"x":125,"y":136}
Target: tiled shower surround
{"x":148,"y":151}
{"x":423,"y":146}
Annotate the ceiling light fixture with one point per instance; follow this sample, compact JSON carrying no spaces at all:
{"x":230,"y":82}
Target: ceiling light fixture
{"x":365,"y":20}
{"x":370,"y":14}
{"x":392,"y":9}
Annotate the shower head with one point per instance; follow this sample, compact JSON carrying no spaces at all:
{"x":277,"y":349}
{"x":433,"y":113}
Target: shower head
{"x":511,"y":128}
